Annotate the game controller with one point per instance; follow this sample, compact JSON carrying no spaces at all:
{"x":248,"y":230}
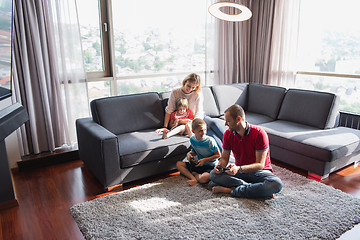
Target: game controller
{"x":223,"y":169}
{"x":194,"y":161}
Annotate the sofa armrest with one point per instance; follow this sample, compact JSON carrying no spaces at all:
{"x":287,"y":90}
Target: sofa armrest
{"x":99,"y":150}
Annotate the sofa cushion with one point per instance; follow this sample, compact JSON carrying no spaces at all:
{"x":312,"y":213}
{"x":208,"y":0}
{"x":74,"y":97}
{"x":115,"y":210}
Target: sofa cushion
{"x":139,"y":147}
{"x":265,"y":99}
{"x":325,"y":145}
{"x":227,"y":95}
{"x":128,"y":113}
{"x":316,"y":109}
{"x":210,"y":107}
{"x":257,"y":119}
{"x":216,"y":125}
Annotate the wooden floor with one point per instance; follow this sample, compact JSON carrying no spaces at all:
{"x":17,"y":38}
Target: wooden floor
{"x":46,"y":194}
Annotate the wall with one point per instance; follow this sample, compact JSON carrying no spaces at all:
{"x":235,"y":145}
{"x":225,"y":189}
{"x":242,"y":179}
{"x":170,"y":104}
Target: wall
{"x":12,"y":146}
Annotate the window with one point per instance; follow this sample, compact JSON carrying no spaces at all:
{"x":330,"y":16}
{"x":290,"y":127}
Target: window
{"x":329,"y":50}
{"x":94,"y":34}
{"x":159,"y":36}
{"x":140,"y":45}
{"x":5,"y":48}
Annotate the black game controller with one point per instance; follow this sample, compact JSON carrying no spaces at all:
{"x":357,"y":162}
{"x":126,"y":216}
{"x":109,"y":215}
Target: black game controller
{"x":194,"y":161}
{"x":223,"y":169}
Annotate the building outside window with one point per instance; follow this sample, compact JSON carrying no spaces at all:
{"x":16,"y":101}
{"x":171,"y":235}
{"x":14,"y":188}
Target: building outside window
{"x":329,"y":50}
{"x":141,"y":46}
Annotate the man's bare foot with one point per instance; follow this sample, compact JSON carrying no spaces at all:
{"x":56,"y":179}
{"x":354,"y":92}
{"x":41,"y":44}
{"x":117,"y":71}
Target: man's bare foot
{"x":219,"y":189}
{"x":164,"y":133}
{"x":192,"y":182}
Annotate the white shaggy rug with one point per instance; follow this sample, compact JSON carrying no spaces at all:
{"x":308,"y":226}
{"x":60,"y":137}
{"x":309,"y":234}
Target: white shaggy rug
{"x":170,"y":209}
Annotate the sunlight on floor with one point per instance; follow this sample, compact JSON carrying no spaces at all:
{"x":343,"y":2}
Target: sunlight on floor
{"x":153,"y":204}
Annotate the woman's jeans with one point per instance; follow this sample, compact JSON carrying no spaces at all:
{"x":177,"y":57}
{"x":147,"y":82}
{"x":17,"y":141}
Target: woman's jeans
{"x":262,"y":183}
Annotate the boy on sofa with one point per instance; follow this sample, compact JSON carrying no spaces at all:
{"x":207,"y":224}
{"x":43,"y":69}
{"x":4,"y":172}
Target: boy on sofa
{"x":202,"y":158}
{"x":180,"y":120}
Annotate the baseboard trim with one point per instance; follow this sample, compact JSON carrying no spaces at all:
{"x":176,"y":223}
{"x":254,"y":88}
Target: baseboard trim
{"x":47,"y":159}
{"x":9,"y":204}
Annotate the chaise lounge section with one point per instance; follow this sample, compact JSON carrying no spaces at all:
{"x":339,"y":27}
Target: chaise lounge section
{"x":301,"y":124}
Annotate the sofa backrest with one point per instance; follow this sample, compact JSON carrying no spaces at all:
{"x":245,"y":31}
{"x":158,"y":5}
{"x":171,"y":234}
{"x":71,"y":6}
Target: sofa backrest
{"x":164,"y":98}
{"x":313,"y":108}
{"x":265,"y":99}
{"x":227,"y":95}
{"x":210,"y":106}
{"x":128,"y":113}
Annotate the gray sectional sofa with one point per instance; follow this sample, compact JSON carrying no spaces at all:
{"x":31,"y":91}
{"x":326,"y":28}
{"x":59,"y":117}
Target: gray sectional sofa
{"x":302,"y":125}
{"x":119,"y":144}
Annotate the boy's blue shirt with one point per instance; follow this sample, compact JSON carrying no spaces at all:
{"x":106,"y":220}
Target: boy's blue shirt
{"x":204,"y":147}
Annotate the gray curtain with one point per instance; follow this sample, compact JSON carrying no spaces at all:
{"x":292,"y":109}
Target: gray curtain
{"x":243,"y":48}
{"x":47,"y":57}
{"x":282,"y":71}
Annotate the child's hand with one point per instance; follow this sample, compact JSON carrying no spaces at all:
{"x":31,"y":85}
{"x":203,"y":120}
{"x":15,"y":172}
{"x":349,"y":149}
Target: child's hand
{"x":189,"y":156}
{"x":201,"y":162}
{"x":176,"y":122}
{"x":160,"y":130}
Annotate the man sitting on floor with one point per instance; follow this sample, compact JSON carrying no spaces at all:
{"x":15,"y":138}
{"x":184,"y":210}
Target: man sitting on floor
{"x":251,"y":176}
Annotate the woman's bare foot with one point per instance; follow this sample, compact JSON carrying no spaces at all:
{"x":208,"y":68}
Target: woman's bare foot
{"x":164,"y":133}
{"x":192,"y":182}
{"x":219,"y":189}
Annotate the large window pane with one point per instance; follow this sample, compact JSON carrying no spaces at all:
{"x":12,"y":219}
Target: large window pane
{"x":5,"y":44}
{"x":151,"y":84}
{"x":329,"y":39}
{"x":348,"y":89}
{"x":90,"y":29}
{"x":98,"y":89}
{"x":159,"y":36}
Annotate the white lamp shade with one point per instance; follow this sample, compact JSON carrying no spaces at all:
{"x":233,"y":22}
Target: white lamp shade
{"x":244,"y":14}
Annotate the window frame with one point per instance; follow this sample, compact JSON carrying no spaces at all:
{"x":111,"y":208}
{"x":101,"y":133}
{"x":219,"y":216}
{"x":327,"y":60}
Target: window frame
{"x":329,"y":74}
{"x":105,"y":26}
{"x":107,"y":37}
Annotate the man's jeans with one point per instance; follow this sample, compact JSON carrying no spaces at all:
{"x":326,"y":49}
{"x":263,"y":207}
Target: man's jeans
{"x":262,"y":183}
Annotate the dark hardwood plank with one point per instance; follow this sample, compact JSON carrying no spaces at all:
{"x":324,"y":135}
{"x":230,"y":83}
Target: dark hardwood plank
{"x":46,"y":194}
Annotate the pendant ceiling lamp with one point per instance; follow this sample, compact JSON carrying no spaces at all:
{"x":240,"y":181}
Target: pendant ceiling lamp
{"x":244,"y":14}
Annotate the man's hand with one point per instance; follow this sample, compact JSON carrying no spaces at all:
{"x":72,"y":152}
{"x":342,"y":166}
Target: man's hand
{"x":233,"y":170}
{"x":217,"y":169}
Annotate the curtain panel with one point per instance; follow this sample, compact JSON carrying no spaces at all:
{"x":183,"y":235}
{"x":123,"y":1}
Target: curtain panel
{"x":48,"y":73}
{"x":243,"y":48}
{"x":282,"y":70}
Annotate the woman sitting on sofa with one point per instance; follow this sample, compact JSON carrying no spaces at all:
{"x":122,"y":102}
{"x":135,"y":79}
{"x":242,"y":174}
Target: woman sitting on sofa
{"x":191,"y":90}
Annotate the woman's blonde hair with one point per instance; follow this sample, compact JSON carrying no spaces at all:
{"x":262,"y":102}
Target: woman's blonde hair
{"x":193,"y":78}
{"x":181,"y":102}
